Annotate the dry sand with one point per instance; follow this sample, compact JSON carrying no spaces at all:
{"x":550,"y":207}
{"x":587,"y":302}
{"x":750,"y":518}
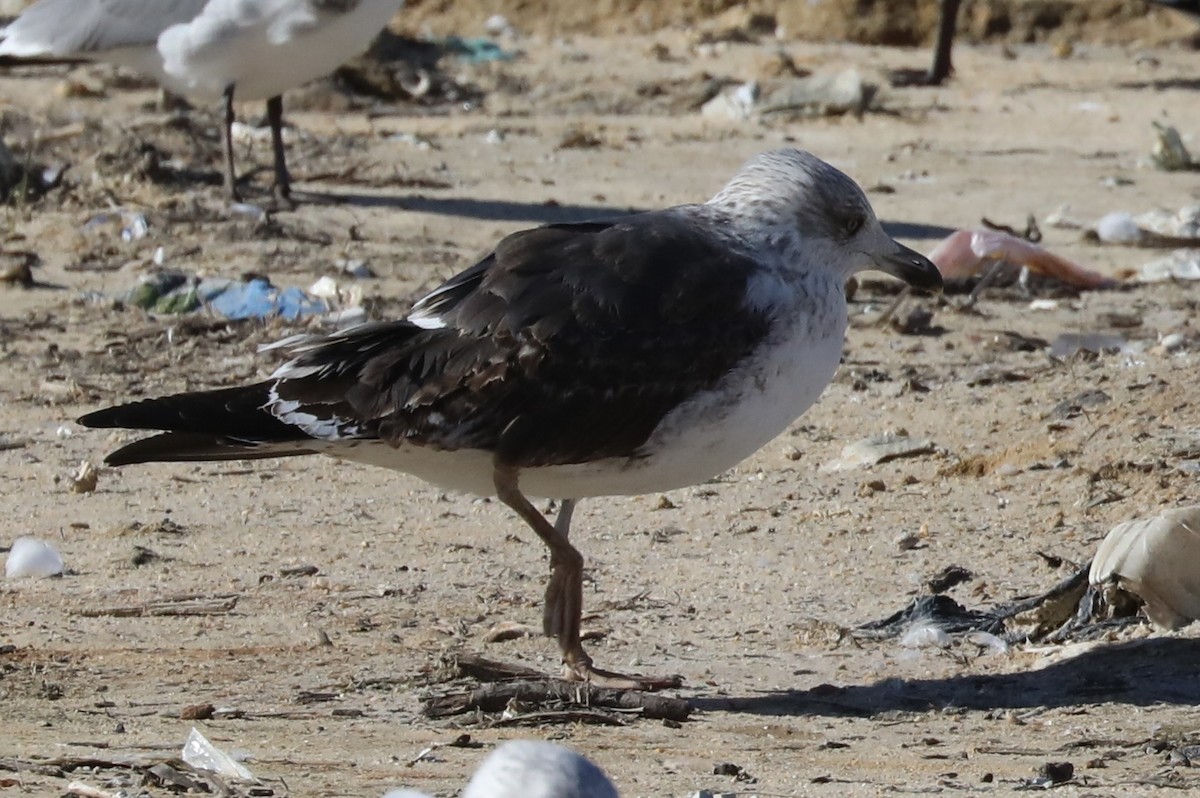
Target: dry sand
{"x":743,"y":584}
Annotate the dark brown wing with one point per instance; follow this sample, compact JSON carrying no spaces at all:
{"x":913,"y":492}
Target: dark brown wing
{"x":568,"y":343}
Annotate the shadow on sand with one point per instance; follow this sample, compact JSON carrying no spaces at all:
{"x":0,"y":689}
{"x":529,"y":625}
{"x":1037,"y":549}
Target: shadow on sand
{"x":549,"y":213}
{"x":1140,"y":672}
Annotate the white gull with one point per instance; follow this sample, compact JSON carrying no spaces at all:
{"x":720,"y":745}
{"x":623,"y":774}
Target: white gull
{"x":208,"y":49}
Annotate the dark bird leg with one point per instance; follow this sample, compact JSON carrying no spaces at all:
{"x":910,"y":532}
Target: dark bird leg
{"x":283,"y":181}
{"x":941,"y":68}
{"x":227,"y":131}
{"x":563,"y":608}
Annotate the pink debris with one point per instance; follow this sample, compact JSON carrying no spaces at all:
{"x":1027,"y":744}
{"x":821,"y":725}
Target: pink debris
{"x":965,"y":253}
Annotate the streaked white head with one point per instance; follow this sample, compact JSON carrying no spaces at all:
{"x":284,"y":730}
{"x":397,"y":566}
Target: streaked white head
{"x":799,"y":202}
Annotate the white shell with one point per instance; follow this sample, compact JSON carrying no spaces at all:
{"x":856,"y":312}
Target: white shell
{"x":1159,"y":560}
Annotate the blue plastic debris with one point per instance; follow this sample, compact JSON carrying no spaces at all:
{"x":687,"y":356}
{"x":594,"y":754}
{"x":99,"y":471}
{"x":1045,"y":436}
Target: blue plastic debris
{"x":177,"y":293}
{"x":476,"y":50}
{"x":258,"y":299}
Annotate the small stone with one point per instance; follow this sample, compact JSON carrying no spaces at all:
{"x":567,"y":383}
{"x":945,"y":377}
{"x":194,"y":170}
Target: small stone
{"x":197,"y":712}
{"x":1057,"y":772}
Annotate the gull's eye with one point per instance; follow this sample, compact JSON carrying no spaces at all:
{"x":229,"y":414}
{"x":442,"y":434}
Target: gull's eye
{"x":854,"y":224}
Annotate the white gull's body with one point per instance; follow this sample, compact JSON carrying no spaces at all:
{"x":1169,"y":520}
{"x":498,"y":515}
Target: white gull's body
{"x":199,"y":48}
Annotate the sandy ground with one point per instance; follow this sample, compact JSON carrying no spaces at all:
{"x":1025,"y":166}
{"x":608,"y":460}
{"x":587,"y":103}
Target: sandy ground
{"x":741,"y":585}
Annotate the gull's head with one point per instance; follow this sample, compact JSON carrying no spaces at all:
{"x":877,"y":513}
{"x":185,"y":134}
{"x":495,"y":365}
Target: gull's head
{"x":798,"y":201}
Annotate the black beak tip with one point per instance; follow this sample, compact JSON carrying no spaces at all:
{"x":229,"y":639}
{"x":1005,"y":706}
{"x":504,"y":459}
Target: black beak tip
{"x":924,"y":275}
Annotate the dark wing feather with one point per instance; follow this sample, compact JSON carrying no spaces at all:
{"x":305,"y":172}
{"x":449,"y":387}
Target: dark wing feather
{"x":568,"y":343}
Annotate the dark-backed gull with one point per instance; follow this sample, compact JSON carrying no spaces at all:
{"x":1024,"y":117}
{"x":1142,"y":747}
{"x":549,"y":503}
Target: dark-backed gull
{"x":630,"y":356}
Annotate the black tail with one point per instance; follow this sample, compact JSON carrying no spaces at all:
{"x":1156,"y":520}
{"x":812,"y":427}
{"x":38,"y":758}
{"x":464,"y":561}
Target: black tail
{"x":225,"y":424}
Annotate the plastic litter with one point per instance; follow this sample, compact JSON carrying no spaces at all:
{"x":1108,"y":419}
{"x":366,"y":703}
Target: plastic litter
{"x":1169,"y":153}
{"x":32,"y":557}
{"x":203,"y":755}
{"x":1182,"y":264}
{"x":475,"y":50}
{"x":170,"y":292}
{"x":879,"y":449}
{"x":925,"y":635}
{"x":1159,"y":560}
{"x":1118,"y":228}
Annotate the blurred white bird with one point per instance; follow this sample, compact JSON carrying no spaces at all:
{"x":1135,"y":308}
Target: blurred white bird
{"x":532,"y":769}
{"x":208,"y":49}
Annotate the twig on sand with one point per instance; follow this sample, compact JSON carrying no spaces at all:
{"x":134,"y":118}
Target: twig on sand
{"x":498,"y":696}
{"x":178,"y":605}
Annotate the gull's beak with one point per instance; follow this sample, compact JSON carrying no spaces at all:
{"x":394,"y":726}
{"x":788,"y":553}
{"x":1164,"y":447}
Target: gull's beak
{"x":910,"y":266}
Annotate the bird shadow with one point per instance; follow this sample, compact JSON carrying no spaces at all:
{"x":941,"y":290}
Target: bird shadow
{"x":1141,"y":672}
{"x":545,"y":212}
{"x":482,"y":209}
{"x":917,"y":230}
{"x":1161,"y":84}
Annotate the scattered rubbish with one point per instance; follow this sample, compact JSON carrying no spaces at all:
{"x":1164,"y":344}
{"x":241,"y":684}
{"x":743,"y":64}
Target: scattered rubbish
{"x":85,"y":478}
{"x":1069,"y":344}
{"x":736,"y":104}
{"x":203,"y":755}
{"x":879,"y":449}
{"x":32,"y":557}
{"x":1173,"y":342}
{"x":170,"y":292}
{"x":130,"y":225}
{"x":498,"y":25}
{"x":821,"y":94}
{"x":1151,"y":230}
{"x":475,"y":50}
{"x":258,"y":299}
{"x":354,"y":267}
{"x":1183,"y":264}
{"x":253,"y":212}
{"x":1157,"y":560}
{"x":1169,"y":153}
{"x":84,"y":790}
{"x":991,"y":645}
{"x":925,"y":634}
{"x":1118,"y":228}
{"x":966,"y":253}
{"x":412,"y":140}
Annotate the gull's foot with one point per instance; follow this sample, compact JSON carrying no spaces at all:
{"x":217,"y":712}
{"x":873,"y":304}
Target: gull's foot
{"x":582,"y":670}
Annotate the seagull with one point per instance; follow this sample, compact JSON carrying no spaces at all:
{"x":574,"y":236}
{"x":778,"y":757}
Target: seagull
{"x":532,"y":769}
{"x":636,"y":355}
{"x":208,"y":49}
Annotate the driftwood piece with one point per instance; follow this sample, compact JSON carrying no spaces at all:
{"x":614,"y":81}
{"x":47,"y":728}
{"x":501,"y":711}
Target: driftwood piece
{"x":495,"y":697}
{"x":180,"y":605}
